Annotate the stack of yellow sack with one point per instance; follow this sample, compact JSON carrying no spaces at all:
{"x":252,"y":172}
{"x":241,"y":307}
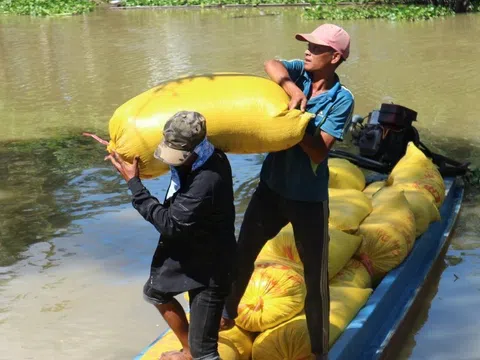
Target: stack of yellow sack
{"x":354,"y":274}
{"x":240,"y":340}
{"x":348,"y":208}
{"x":421,"y":203}
{"x":282,"y":250}
{"x":275,"y":294}
{"x":421,"y":184}
{"x":345,"y":175}
{"x":388,"y":233}
{"x":373,"y":188}
{"x":290,"y":340}
{"x":251,"y":117}
{"x":418,"y":171}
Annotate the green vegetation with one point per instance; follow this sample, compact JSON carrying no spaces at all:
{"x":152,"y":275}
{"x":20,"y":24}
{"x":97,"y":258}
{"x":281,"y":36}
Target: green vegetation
{"x":394,"y":13}
{"x":205,"y":2}
{"x":46,"y":7}
{"x":409,"y":10}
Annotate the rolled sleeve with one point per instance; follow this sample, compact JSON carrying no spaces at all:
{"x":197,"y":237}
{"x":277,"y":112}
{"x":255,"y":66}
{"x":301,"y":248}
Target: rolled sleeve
{"x":294,"y":67}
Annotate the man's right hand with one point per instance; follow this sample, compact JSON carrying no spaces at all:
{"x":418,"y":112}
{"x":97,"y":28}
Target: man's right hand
{"x":226,"y":324}
{"x":298,"y":100}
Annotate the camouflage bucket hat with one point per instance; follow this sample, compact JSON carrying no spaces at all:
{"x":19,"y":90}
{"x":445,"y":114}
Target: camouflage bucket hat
{"x":181,"y":135}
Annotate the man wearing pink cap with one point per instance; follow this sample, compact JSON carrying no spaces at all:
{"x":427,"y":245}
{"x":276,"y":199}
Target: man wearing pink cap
{"x":293,"y":185}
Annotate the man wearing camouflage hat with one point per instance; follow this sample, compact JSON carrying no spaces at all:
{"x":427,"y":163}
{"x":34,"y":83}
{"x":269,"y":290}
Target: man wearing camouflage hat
{"x":197,"y":241}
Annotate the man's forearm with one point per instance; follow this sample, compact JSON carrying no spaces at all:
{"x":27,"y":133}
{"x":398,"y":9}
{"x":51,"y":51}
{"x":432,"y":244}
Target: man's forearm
{"x":148,"y":206}
{"x":278,"y":73}
{"x":315,"y":148}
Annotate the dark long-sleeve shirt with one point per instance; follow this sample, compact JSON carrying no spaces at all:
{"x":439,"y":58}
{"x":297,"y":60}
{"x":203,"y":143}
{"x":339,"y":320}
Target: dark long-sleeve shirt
{"x":196,"y":225}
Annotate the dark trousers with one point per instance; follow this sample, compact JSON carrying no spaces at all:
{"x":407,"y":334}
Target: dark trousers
{"x":206,"y":306}
{"x":266,"y":215}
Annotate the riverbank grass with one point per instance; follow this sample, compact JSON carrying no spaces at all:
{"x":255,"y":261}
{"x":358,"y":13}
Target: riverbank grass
{"x":46,"y":7}
{"x":393,"y":13}
{"x":315,"y":9}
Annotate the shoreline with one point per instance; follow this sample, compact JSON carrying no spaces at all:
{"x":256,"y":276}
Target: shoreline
{"x":221,"y":6}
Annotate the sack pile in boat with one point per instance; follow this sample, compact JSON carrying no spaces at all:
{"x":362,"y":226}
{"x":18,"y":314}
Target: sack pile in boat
{"x":282,"y":250}
{"x":250,"y":116}
{"x":414,"y":188}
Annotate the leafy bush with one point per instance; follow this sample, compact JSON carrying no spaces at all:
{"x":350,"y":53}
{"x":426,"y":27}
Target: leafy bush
{"x":203,"y":2}
{"x":46,"y":7}
{"x":394,"y":13}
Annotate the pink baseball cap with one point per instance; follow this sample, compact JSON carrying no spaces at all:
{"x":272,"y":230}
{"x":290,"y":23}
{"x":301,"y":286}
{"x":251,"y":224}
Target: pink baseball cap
{"x":329,"y":35}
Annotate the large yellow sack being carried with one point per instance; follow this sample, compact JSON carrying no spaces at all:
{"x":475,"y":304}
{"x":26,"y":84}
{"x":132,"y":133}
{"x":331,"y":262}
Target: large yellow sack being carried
{"x":345,"y":175}
{"x":388,"y":233}
{"x":169,"y":342}
{"x":417,"y":169}
{"x":372,"y":188}
{"x":290,"y":340}
{"x":245,"y":114}
{"x":348,"y":208}
{"x":274,"y":294}
{"x":242,"y":341}
{"x":283,"y":251}
{"x":422,"y":205}
{"x":354,"y":274}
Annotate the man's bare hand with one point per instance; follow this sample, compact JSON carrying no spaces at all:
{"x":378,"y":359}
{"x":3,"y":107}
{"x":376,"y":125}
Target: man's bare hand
{"x":298,"y":100}
{"x":128,"y":171}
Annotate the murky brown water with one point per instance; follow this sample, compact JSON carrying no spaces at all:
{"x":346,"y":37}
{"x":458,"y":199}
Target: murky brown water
{"x":74,"y":254}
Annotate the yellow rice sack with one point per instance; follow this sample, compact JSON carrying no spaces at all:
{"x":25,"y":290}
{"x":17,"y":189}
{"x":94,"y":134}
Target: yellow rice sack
{"x":348,"y":208}
{"x":274,"y":294}
{"x":290,"y":340}
{"x":242,"y":341}
{"x":354,"y":274}
{"x":169,"y":342}
{"x":388,"y":233}
{"x":341,"y":248}
{"x":422,"y":204}
{"x":372,"y":188}
{"x":345,"y":175}
{"x":283,"y":251}
{"x":415,"y":168}
{"x":245,"y":114}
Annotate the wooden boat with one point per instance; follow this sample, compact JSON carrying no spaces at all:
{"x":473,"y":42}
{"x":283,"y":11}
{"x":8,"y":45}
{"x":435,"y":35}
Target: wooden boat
{"x":369,"y":335}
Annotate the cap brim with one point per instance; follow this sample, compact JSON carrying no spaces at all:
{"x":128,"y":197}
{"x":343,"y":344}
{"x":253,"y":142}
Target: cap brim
{"x":311,"y":39}
{"x":171,"y":156}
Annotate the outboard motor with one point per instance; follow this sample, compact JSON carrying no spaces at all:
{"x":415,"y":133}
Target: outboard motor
{"x":385,"y":136}
{"x":383,"y":141}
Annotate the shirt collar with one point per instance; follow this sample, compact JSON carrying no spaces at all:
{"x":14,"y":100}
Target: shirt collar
{"x":332,"y":93}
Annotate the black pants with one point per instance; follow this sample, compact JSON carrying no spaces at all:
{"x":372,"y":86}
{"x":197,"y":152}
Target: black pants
{"x":206,"y":306}
{"x":266,"y":215}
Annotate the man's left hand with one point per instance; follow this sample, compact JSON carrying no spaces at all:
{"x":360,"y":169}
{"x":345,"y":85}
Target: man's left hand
{"x":128,"y":171}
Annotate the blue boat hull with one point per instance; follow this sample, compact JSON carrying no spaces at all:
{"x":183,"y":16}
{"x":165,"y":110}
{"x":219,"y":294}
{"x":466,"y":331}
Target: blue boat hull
{"x":370,"y":332}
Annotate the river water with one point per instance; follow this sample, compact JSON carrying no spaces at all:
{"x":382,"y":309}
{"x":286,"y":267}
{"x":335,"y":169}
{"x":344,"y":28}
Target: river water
{"x":73,"y":252}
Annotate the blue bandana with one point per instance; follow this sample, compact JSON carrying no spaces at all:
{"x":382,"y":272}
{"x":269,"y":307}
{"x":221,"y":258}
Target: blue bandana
{"x":204,"y":150}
